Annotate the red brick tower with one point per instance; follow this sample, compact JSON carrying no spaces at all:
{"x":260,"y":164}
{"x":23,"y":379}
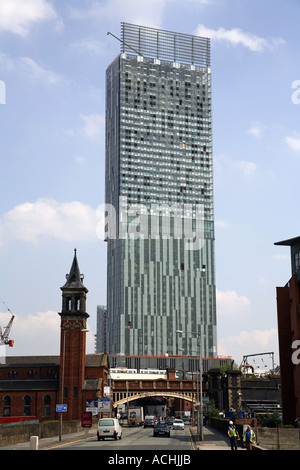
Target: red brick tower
{"x":73,"y":342}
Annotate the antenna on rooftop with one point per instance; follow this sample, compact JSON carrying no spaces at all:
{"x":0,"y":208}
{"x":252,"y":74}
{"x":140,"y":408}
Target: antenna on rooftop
{"x":123,"y":42}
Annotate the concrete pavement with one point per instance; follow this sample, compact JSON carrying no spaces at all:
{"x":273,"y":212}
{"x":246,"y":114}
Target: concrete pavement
{"x":54,"y":442}
{"x":212,"y":439}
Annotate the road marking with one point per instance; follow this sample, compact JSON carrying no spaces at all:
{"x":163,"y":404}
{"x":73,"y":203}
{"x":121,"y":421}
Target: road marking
{"x":193,"y":443}
{"x":68,"y":443}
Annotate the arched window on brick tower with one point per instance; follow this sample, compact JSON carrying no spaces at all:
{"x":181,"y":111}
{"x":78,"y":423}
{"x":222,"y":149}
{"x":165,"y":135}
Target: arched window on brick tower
{"x":73,"y":342}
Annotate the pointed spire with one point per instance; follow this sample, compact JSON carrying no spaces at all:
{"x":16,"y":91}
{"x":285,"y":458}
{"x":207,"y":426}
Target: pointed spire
{"x":74,"y":278}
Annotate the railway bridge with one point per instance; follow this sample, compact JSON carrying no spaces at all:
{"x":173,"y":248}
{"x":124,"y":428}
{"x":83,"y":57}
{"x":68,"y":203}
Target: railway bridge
{"x":130,"y":387}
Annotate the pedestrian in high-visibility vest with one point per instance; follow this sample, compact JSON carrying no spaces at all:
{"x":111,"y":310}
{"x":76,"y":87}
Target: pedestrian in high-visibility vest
{"x":233,"y":435}
{"x":248,"y":438}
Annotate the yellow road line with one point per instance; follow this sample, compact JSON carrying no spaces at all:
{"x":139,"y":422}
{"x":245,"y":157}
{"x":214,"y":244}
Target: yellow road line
{"x":67,"y":443}
{"x":193,"y":444}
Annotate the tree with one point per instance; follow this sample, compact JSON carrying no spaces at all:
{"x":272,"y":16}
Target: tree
{"x":213,"y":411}
{"x":269,"y":420}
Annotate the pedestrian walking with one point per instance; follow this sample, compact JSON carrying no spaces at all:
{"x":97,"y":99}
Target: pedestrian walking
{"x":248,"y":437}
{"x":233,"y":435}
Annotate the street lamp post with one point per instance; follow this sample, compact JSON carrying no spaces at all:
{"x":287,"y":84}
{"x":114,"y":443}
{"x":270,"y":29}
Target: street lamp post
{"x":200,"y":400}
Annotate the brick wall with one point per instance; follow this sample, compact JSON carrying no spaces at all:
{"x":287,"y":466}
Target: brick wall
{"x":36,"y":403}
{"x":15,"y":434}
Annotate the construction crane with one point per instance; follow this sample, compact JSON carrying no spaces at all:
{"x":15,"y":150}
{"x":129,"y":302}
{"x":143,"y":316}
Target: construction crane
{"x":4,"y":337}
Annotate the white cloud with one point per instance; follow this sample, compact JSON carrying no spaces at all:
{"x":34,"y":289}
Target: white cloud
{"x":18,"y":16}
{"x":281,"y":257}
{"x":146,"y":13}
{"x":69,"y":221}
{"x":236,"y":36}
{"x":222,"y":162}
{"x":70,"y":132}
{"x":293,"y":143}
{"x":201,"y":2}
{"x":221,"y":223}
{"x":247,"y":168}
{"x":93,"y":128}
{"x":255,"y":130}
{"x":30,"y":68}
{"x":38,"y":73}
{"x":248,"y":342}
{"x":90,"y":45}
{"x":265,"y":282}
{"x":229,"y":303}
{"x":6,"y":62}
{"x":41,"y":324}
{"x":94,"y":125}
{"x":38,"y":334}
{"x":78,"y":159}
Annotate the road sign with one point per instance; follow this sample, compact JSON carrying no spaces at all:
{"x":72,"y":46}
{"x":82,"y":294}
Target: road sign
{"x":86,"y":419}
{"x":104,"y":404}
{"x":92,"y":405}
{"x":61,"y":408}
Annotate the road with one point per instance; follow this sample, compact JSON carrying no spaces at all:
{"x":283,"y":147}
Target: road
{"x":134,"y":439}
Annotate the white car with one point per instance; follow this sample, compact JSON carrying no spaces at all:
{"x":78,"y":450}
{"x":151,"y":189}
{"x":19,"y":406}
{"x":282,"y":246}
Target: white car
{"x":178,"y":424}
{"x":109,"y":427}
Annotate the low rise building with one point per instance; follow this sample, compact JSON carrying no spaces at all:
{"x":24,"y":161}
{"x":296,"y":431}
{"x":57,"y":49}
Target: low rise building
{"x":34,"y":385}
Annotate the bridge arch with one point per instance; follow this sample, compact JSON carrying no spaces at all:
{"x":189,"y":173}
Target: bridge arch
{"x":138,"y":395}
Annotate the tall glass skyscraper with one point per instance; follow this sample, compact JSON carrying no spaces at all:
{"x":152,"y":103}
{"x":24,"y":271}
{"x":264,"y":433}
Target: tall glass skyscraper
{"x":159,"y":195}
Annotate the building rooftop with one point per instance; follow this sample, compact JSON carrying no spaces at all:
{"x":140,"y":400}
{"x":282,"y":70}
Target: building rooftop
{"x":92,"y":360}
{"x":165,"y":45}
{"x":74,"y":278}
{"x":289,"y":242}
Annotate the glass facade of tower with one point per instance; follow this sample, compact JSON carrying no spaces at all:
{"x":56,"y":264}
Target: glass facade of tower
{"x":159,"y":197}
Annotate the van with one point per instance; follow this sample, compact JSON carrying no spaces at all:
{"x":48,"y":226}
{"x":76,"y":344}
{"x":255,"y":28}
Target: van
{"x":109,"y":427}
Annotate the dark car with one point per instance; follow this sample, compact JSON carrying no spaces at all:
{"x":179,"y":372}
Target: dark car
{"x":161,"y":429}
{"x":170,"y":421}
{"x":149,"y":423}
{"x":186,"y":419}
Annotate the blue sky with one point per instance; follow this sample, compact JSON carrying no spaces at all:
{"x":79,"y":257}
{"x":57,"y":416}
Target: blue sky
{"x":53,"y":57}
